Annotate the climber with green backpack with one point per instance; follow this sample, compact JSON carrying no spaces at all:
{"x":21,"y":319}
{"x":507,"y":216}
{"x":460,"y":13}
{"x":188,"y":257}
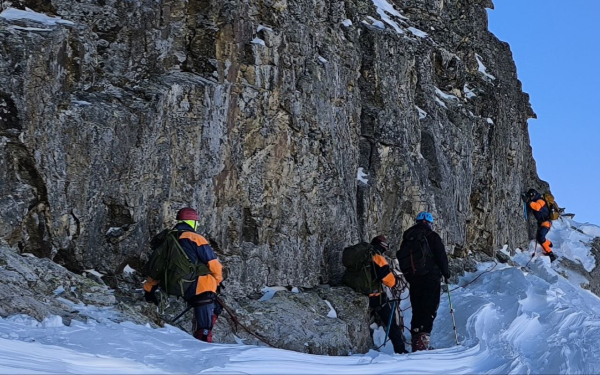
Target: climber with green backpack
{"x":366,"y":270}
{"x":183,"y":264}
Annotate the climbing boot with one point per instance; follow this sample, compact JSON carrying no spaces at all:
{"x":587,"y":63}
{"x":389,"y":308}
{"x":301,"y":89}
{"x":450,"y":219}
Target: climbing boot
{"x":420,"y":341}
{"x":552,"y":257}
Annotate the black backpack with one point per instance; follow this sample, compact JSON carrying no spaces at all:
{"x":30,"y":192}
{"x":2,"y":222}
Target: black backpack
{"x":414,"y":253}
{"x":170,"y":264}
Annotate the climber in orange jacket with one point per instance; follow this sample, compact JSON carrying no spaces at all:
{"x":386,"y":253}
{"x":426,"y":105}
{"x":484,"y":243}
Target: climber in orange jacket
{"x":202,"y":293}
{"x":378,"y":301}
{"x":540,"y":211}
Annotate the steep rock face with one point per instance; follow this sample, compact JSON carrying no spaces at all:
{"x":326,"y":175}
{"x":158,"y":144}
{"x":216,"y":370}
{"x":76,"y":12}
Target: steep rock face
{"x":261,"y":114}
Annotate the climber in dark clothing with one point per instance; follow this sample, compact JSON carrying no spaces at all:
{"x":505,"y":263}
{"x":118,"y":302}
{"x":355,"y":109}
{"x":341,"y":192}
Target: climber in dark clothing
{"x":540,"y":211}
{"x":423,"y":261}
{"x":378,"y":301}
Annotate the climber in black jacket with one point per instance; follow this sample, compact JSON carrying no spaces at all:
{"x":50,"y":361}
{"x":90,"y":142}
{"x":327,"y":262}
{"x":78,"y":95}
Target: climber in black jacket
{"x":423,"y":260}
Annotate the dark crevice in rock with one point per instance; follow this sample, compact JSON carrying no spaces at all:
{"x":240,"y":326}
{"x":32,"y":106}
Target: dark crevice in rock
{"x":36,"y":231}
{"x":429,"y":152}
{"x":68,"y":259}
{"x":28,"y":172}
{"x":118,"y":216}
{"x":33,"y":235}
{"x":43,"y":6}
{"x":250,"y":227}
{"x":75,"y":233}
{"x":10,"y":124}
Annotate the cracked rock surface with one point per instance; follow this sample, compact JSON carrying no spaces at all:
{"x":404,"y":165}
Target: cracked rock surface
{"x":259,"y":114}
{"x":295,"y":127}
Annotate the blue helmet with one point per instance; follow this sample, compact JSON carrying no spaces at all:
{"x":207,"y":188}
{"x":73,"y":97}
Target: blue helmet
{"x":425,"y":216}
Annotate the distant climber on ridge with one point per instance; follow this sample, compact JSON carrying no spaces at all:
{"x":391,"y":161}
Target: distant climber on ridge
{"x":183,"y":264}
{"x":423,"y":261}
{"x":366,"y":270}
{"x":544,"y":214}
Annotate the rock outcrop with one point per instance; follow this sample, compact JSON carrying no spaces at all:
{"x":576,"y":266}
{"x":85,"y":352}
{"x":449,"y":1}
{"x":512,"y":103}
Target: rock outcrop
{"x":332,"y":321}
{"x":40,"y":287}
{"x":301,"y":321}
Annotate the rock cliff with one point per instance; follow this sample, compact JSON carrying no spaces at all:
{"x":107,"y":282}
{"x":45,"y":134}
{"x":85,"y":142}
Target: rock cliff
{"x":296,"y":127}
{"x":261,"y":114}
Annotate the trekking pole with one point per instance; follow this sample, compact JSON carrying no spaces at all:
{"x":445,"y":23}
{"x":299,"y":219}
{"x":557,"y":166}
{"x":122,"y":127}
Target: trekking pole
{"x":452,"y":312}
{"x":180,"y":315}
{"x":532,"y":255}
{"x":530,"y":259}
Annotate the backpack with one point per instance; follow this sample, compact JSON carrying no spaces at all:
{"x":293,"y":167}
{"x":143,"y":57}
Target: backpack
{"x":414,"y":253}
{"x":554,"y":210}
{"x":170,"y":264}
{"x":359,"y":275}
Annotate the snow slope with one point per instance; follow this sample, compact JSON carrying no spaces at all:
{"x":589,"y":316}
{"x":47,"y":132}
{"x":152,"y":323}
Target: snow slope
{"x":509,"y":321}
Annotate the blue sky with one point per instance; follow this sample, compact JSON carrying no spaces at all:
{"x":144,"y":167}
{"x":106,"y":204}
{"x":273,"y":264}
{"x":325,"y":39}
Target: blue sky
{"x":556,"y":46}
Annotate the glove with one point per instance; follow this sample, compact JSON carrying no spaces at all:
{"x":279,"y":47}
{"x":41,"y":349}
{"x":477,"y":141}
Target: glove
{"x":446,"y":278}
{"x":524,"y":197}
{"x":220,"y":287}
{"x":151,"y":297}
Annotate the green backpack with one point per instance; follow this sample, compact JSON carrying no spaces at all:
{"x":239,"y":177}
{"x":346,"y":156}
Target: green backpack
{"x":170,"y":264}
{"x":359,"y":275}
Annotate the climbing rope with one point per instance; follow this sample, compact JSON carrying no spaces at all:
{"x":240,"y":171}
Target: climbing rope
{"x":465,"y":285}
{"x":237,"y":323}
{"x":478,"y":276}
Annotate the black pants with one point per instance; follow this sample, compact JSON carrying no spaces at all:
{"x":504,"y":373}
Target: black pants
{"x":384,"y":310}
{"x":425,"y":300}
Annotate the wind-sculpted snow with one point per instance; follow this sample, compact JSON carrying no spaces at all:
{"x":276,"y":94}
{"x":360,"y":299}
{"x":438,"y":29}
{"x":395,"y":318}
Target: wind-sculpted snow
{"x":572,"y":240}
{"x":509,"y":321}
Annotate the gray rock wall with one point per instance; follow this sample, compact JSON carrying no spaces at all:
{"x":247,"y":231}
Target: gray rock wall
{"x":259,"y":114}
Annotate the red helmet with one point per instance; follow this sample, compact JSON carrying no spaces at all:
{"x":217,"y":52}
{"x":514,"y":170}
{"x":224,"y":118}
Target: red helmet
{"x":381,"y":241}
{"x":187,"y":213}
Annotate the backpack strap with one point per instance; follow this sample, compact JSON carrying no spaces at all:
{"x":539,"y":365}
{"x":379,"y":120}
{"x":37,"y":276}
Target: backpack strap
{"x":195,"y":267}
{"x":547,"y":217}
{"x":371,"y":253}
{"x":177,"y":244}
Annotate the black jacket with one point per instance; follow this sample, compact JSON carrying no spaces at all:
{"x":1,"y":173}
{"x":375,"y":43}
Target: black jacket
{"x":438,"y":263}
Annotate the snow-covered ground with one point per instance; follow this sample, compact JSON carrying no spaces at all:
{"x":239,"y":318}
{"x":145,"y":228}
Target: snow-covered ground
{"x":509,"y":321}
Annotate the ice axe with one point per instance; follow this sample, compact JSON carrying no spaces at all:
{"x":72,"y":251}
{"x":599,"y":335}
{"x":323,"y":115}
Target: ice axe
{"x":452,"y":313}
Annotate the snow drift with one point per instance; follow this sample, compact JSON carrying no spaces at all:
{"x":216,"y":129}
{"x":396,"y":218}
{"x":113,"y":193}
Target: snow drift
{"x":510,"y":320}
